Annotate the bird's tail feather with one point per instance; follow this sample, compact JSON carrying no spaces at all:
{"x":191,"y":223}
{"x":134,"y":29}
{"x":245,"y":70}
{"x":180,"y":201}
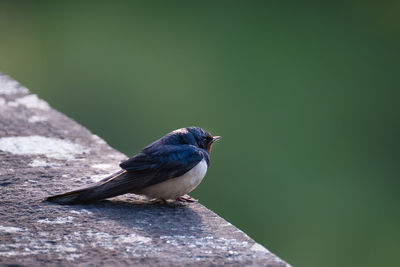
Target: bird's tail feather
{"x":105,"y":188}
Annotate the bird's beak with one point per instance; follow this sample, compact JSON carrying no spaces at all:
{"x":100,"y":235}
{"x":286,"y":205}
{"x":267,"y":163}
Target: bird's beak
{"x":215,"y":138}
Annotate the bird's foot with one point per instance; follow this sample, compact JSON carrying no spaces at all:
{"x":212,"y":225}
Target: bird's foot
{"x":187,"y":198}
{"x":180,"y":201}
{"x":166,"y":203}
{"x":160,"y":201}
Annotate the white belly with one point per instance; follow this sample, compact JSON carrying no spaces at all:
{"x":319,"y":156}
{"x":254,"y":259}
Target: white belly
{"x":179,"y":186}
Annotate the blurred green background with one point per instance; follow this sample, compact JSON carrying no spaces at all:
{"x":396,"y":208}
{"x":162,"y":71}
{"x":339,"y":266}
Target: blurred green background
{"x":306,"y":96}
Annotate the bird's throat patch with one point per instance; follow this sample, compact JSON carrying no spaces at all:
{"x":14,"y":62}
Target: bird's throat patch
{"x":209,"y":148}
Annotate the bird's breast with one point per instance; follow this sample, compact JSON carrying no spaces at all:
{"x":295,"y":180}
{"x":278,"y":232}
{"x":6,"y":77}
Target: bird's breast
{"x":179,"y":186}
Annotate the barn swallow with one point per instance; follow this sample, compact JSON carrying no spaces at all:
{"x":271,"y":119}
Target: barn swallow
{"x":166,"y":169}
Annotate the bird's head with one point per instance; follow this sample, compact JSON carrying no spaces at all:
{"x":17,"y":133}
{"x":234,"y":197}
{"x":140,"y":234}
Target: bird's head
{"x":191,"y":136}
{"x":203,"y":138}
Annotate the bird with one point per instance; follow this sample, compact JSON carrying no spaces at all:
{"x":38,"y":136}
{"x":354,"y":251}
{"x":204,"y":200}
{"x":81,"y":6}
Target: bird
{"x":166,"y":169}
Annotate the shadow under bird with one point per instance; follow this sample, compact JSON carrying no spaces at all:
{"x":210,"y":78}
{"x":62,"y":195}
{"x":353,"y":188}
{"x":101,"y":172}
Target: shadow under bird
{"x":168,"y":168}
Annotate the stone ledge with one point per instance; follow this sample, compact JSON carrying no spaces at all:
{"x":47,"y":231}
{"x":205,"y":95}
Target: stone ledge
{"x":43,"y":152}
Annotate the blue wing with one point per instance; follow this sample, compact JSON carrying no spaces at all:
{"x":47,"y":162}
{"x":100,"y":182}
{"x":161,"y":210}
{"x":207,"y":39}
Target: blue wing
{"x":154,"y":165}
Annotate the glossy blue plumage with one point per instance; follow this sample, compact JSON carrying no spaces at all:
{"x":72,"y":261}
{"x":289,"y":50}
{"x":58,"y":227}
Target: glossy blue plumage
{"x":169,"y":157}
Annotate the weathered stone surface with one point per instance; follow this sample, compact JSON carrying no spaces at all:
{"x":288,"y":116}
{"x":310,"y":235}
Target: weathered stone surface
{"x":43,"y":152}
